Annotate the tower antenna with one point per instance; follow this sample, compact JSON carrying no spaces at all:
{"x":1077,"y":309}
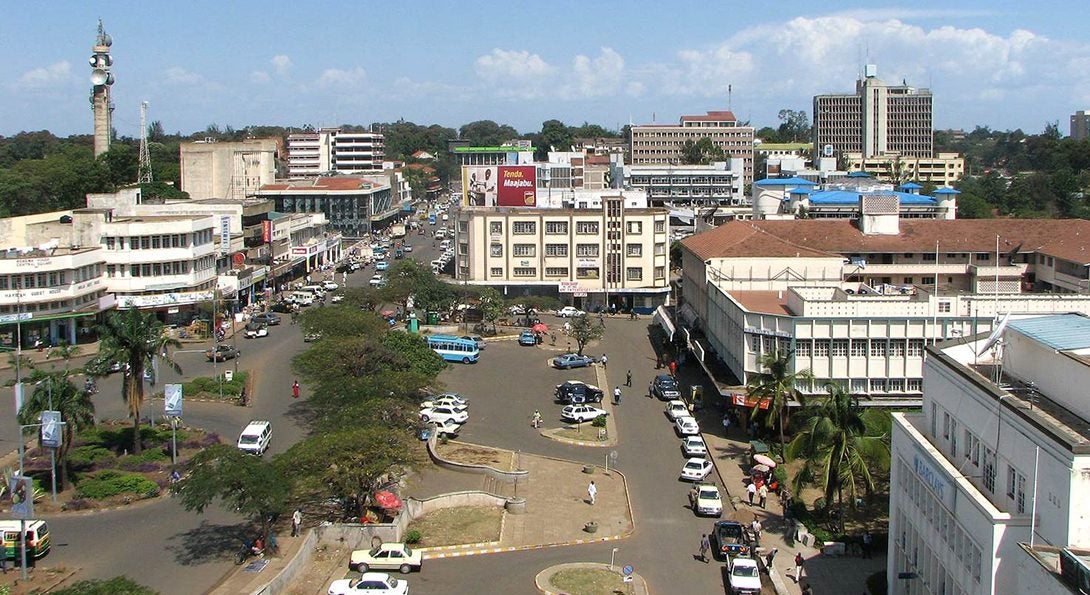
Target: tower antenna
{"x":144,"y":169}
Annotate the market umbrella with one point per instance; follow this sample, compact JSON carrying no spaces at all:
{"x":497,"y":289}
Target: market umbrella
{"x":387,"y":500}
{"x":539,"y":328}
{"x":764,"y":460}
{"x":760,"y":469}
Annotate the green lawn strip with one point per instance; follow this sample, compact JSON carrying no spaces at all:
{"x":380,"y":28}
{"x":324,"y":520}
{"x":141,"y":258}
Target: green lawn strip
{"x":587,"y":581}
{"x":456,"y":526}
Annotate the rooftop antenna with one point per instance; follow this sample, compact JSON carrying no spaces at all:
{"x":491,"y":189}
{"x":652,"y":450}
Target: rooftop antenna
{"x":144,"y":169}
{"x":730,"y":91}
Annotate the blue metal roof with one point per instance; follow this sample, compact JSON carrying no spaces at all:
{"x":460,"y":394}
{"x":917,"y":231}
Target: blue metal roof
{"x":859,"y":174}
{"x":803,"y":191}
{"x":1062,"y":331}
{"x":847,"y":197}
{"x":784,"y":182}
{"x":947,"y":190}
{"x":910,"y":186}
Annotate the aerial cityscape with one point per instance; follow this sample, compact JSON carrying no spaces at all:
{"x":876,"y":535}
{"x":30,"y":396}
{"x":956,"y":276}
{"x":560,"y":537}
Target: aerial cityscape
{"x":583,"y":299}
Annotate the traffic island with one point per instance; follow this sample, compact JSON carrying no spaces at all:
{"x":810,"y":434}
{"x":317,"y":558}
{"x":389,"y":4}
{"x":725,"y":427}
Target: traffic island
{"x":589,"y":578}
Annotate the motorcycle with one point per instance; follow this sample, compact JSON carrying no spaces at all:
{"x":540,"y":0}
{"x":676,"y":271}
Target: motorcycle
{"x":89,"y":387}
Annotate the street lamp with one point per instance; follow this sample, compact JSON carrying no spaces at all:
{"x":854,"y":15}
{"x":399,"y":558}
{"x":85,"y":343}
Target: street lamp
{"x":612,"y":557}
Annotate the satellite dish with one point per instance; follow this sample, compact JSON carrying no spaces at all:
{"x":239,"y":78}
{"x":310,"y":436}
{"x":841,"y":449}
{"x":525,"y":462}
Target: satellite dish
{"x":997,"y":333}
{"x":109,"y":78}
{"x":99,"y":76}
{"x":93,"y":60}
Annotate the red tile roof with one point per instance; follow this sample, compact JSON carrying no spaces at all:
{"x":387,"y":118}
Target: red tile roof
{"x":1067,"y":239}
{"x":713,"y":116}
{"x":767,"y":302}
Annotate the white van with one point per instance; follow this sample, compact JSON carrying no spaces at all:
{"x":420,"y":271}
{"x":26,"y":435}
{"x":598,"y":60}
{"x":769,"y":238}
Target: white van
{"x":255,"y":437}
{"x":37,"y":539}
{"x":303,"y":298}
{"x":316,"y":290}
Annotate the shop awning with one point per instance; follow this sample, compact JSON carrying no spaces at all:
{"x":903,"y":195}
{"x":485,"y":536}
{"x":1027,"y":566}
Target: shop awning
{"x":662,"y":318}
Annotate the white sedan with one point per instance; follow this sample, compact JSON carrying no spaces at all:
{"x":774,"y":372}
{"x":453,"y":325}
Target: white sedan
{"x":569,"y":312}
{"x":444,"y":413}
{"x":693,"y":446}
{"x":371,"y":583}
{"x":705,"y":500}
{"x":696,"y":469}
{"x":686,"y":426}
{"x":390,"y":556}
{"x":676,"y":409}
{"x":581,"y":413}
{"x":337,"y":298}
{"x":330,"y":285}
{"x":455,"y":404}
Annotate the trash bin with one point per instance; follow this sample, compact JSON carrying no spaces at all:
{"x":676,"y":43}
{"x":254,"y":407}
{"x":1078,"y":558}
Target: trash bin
{"x":414,"y":324}
{"x":228,"y":375}
{"x":433,"y":318}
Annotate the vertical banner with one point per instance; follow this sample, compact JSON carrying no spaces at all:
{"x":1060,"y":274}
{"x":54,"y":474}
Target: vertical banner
{"x":225,"y":235}
{"x":266,"y":231}
{"x":21,"y":490}
{"x":51,"y":429}
{"x":173,"y":400}
{"x":18,"y":397}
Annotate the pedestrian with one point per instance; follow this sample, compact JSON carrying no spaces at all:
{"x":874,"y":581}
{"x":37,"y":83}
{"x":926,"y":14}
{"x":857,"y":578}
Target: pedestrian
{"x":751,"y":491}
{"x":726,"y":424}
{"x":757,"y":528}
{"x":768,"y":560}
{"x":296,"y":520}
{"x":4,"y":562}
{"x":868,"y":541}
{"x":762,"y":494}
{"x":592,"y":491}
{"x":628,"y":379}
{"x":807,"y":590}
{"x":616,"y":395}
{"x":175,"y":477}
{"x":705,"y":545}
{"x":798,"y":567}
{"x":658,"y":361}
{"x":673,"y":368}
{"x":295,"y":389}
{"x":604,"y":360}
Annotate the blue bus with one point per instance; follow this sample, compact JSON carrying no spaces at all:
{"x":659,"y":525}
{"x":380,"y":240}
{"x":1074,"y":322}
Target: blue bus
{"x":454,"y":349}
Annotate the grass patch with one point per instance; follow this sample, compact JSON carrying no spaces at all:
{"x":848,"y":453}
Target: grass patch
{"x":584,"y":432}
{"x":472,"y":454}
{"x":208,"y":387}
{"x":588,"y":581}
{"x":456,"y":526}
{"x":105,"y":484}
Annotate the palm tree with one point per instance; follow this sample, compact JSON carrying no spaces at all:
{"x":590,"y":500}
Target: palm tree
{"x":842,"y":444}
{"x":54,"y":391}
{"x":135,"y":339}
{"x":65,"y":351}
{"x":776,"y":383}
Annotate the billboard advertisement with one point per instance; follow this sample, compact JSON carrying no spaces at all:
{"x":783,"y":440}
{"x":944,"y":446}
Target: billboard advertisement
{"x":499,"y":186}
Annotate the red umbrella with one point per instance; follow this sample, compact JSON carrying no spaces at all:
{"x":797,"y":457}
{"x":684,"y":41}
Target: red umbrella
{"x":387,"y":500}
{"x":539,"y":328}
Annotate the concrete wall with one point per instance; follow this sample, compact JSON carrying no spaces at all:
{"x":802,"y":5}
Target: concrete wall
{"x":507,"y":477}
{"x":283,"y":579}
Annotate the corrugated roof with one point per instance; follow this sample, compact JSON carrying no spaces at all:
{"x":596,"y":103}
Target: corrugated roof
{"x":847,"y":197}
{"x":1061,"y":332}
{"x":784,"y":182}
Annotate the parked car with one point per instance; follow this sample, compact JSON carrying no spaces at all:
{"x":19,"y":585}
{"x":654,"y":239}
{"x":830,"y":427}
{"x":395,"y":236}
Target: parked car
{"x":745,"y":577}
{"x":441,"y":413}
{"x":452,"y":397}
{"x":527,"y":338}
{"x":266,"y":318}
{"x":378,"y":281}
{"x":676,"y":409}
{"x":337,"y":299}
{"x":574,"y":392}
{"x":285,"y":307}
{"x":581,"y":413}
{"x":386,"y":556}
{"x":370,"y":583}
{"x":222,"y":353}
{"x":330,"y":285}
{"x":686,"y":426}
{"x":407,"y":248}
{"x":693,"y":446}
{"x":731,"y":539}
{"x":479,"y":340}
{"x":444,"y":427}
{"x":572,"y":360}
{"x":696,"y":469}
{"x":256,"y":330}
{"x":311,"y":337}
{"x":705,"y":500}
{"x":382,"y":265}
{"x":569,"y":312}
{"x":455,"y":404}
{"x":665,"y":387}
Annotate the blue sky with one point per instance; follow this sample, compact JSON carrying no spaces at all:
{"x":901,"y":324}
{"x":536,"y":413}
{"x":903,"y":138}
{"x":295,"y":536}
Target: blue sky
{"x":1004,"y":64}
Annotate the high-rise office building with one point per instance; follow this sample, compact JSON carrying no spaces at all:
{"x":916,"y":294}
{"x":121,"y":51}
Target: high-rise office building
{"x":661,"y":144}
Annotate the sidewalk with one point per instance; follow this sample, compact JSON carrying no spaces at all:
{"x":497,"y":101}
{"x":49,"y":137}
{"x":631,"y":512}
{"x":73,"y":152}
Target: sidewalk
{"x":40,"y":357}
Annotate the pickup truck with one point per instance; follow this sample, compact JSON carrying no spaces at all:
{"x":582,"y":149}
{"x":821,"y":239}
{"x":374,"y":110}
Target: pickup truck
{"x":732,"y":540}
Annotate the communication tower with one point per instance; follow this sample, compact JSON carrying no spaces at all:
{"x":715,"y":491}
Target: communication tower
{"x":102,"y":79}
{"x":145,"y":158}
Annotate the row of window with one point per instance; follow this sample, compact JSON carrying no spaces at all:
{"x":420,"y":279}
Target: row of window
{"x":855,"y":347}
{"x":562,"y":250}
{"x":156,"y":269}
{"x":561,"y":227}
{"x":981,"y":455}
{"x":50,"y":279}
{"x":631,"y":273}
{"x":156,"y":242}
{"x":862,"y":386}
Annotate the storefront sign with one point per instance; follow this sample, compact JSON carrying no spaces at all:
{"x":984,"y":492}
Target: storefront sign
{"x":6,"y":318}
{"x":266,"y":231}
{"x":744,"y":400}
{"x":586,"y":263}
{"x":166,"y":299}
{"x":568,"y":287}
{"x":934,"y":479}
{"x":33,"y":263}
{"x":225,"y":235}
{"x":767,"y":332}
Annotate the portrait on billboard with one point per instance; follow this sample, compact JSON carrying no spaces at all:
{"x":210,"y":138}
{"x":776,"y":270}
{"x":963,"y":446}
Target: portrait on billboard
{"x":480,"y":186}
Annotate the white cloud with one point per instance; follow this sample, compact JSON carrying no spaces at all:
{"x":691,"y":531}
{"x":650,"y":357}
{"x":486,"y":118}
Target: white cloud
{"x":514,"y":74}
{"x":260,"y":77}
{"x":335,"y":77}
{"x":180,"y":76}
{"x":406,"y":88}
{"x":46,"y":76}
{"x":595,"y":77}
{"x":281,"y":63}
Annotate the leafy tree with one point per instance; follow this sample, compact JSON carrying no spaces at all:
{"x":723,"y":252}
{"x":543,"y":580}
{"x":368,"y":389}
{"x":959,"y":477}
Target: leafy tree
{"x":418,"y":357}
{"x":795,"y":125}
{"x":135,"y":339}
{"x":492,"y":306}
{"x":410,"y":278}
{"x":349,"y":464}
{"x":55,"y":391}
{"x":486,"y":133}
{"x":554,"y":136}
{"x":341,"y":320}
{"x":702,"y":151}
{"x":768,"y":135}
{"x":584,"y":330}
{"x":118,"y":585}
{"x":842,"y":445}
{"x":776,"y":383}
{"x":65,"y":351}
{"x":239,"y":481}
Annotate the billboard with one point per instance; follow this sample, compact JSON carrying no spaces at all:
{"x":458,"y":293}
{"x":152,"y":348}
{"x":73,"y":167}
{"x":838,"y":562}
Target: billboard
{"x":499,"y":186}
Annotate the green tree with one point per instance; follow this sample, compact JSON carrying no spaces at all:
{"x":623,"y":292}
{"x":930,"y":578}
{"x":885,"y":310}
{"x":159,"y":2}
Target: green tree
{"x":794,"y":125}
{"x":492,"y":305}
{"x":135,"y":339}
{"x":555,"y":135}
{"x":409,"y":278}
{"x":238,"y":481}
{"x":842,"y":446}
{"x":584,"y":330}
{"x":486,"y":133}
{"x":776,"y":383}
{"x":55,"y":391}
{"x":341,"y":320}
{"x":65,"y":351}
{"x":700,"y":152}
{"x":418,"y":357}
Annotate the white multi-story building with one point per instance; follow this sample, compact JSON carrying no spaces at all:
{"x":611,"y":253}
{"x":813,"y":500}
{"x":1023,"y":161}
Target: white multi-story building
{"x":232,"y":170}
{"x":614,"y":255}
{"x":719,"y":184}
{"x":661,"y":144}
{"x":331,"y":150}
{"x":998,"y":459}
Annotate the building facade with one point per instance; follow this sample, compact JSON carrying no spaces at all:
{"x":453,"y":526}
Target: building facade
{"x":233,"y":170}
{"x":942,"y":170}
{"x":1080,"y":125}
{"x":614,"y":255}
{"x":720,"y":184}
{"x":661,"y":144}
{"x":998,"y":458}
{"x":878,"y":119}
{"x":353,"y":206}
{"x":331,"y":150}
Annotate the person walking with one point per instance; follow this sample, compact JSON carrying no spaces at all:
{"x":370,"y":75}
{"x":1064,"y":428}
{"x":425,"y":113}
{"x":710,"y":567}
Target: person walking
{"x":762,"y":494}
{"x":757,"y":527}
{"x":604,"y":360}
{"x":751,"y":491}
{"x":616,"y":395}
{"x":295,"y":389}
{"x":771,"y":555}
{"x":798,"y":567}
{"x":673,"y":368}
{"x":807,"y":590}
{"x":628,"y":379}
{"x":868,"y":541}
{"x":592,"y":491}
{"x":705,"y":545}
{"x":296,"y":520}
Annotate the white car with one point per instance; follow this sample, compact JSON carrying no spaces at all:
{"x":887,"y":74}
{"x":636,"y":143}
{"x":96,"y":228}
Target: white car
{"x":581,"y":413}
{"x":686,"y":426}
{"x":693,"y":446}
{"x":745,"y":577}
{"x":454,"y":397}
{"x":455,"y":404}
{"x":330,"y":285}
{"x":696,"y":469}
{"x":378,"y":281}
{"x":444,"y":413}
{"x":371,"y":583}
{"x":445,"y":427}
{"x":388,"y":556}
{"x":337,"y":298}
{"x":676,"y":409}
{"x":705,"y":500}
{"x":257,"y":333}
{"x":569,"y":312}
